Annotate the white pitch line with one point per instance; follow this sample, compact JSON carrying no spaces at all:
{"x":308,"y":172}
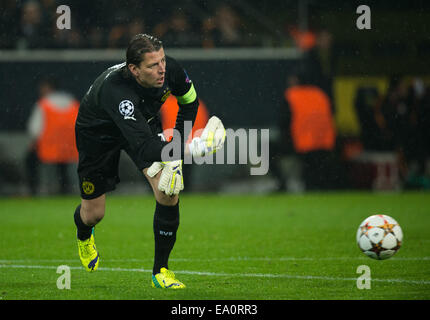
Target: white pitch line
{"x":222,"y":259}
{"x":217,"y":274}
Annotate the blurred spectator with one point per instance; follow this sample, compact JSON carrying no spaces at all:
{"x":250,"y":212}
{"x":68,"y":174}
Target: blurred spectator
{"x":307,"y":127}
{"x":229,"y":26}
{"x":415,"y":146}
{"x":66,"y":38}
{"x":96,"y":38}
{"x":394,"y":113}
{"x":9,"y":16}
{"x":49,"y":9}
{"x":118,"y":35}
{"x":224,"y":29}
{"x":124,"y":29}
{"x":322,"y":59}
{"x":404,"y":120}
{"x":51,"y":129}
{"x":366,"y":101}
{"x":303,"y":39}
{"x":30,"y":24}
{"x":34,"y":28}
{"x":208,"y":28}
{"x":423,"y":115}
{"x":10,"y":173}
{"x":177,"y":31}
{"x":136,"y":26}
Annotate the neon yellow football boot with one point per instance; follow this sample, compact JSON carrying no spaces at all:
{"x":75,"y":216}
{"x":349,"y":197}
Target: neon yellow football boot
{"x":88,"y":254}
{"x":166,"y":280}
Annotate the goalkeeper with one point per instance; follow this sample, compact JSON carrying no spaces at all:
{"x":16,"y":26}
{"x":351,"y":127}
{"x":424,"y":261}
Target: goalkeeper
{"x":120,"y":112}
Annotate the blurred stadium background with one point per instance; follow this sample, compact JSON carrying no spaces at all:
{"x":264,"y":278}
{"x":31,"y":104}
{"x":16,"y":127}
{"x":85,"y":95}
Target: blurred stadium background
{"x":239,"y":54}
{"x":264,"y":237}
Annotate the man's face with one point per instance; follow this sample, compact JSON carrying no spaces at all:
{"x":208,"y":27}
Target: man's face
{"x":151,"y":71}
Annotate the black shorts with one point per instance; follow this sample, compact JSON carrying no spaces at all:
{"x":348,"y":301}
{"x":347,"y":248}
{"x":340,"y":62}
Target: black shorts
{"x":99,"y":157}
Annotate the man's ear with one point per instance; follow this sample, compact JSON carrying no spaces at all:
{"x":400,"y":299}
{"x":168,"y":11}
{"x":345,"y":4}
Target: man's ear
{"x":133,"y":69}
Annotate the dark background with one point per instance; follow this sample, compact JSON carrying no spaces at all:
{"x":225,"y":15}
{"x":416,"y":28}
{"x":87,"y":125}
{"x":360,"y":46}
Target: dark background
{"x":398,"y":43}
{"x":238,"y":90}
{"x":244,"y":93}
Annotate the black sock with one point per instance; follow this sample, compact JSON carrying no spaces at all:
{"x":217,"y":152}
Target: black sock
{"x":84,"y":231}
{"x":166,"y":223}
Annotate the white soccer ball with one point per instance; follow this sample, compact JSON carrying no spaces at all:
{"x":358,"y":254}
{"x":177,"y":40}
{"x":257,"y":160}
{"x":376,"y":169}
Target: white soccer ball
{"x":379,"y":237}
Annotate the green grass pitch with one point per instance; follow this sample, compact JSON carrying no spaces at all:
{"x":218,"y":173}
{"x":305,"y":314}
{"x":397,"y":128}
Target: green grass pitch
{"x":228,"y":247}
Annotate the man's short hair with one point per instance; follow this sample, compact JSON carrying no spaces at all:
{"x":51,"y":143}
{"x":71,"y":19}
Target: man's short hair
{"x":139,"y":45}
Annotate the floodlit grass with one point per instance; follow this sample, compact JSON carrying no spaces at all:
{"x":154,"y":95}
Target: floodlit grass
{"x":228,"y":247}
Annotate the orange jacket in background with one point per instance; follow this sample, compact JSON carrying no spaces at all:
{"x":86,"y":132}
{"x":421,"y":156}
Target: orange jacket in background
{"x":305,"y":40}
{"x":56,"y":144}
{"x":169,"y":111}
{"x":312,"y":123}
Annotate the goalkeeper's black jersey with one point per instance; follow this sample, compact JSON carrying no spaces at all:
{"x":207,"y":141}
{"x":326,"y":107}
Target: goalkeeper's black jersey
{"x":117,"y":108}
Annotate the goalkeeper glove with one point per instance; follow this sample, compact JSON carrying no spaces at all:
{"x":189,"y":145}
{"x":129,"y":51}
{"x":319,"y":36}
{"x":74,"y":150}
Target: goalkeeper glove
{"x":171,"y":179}
{"x":155,"y":168}
{"x":211,"y":140}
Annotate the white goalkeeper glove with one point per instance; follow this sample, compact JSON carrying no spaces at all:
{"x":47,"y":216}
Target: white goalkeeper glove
{"x":211,"y":140}
{"x":171,"y":179}
{"x":155,"y":168}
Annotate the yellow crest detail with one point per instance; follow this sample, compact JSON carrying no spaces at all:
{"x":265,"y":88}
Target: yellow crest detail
{"x":88,"y":187}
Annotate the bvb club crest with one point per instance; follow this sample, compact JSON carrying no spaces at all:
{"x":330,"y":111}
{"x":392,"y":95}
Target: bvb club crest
{"x":88,"y":187}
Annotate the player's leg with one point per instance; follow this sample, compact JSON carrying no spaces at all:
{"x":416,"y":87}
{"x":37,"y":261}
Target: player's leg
{"x":97,"y":176}
{"x":87,"y":215}
{"x":91,"y":211}
{"x":32,"y":168}
{"x":165,"y":226}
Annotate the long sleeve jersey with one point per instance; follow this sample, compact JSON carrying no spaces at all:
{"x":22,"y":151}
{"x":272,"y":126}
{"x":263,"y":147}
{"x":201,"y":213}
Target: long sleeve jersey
{"x":116,"y":107}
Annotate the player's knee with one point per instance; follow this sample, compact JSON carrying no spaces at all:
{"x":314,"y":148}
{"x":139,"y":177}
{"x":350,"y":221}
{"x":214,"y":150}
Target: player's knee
{"x":93,"y":211}
{"x":94,"y":217}
{"x":166,"y":200}
{"x":160,"y":196}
